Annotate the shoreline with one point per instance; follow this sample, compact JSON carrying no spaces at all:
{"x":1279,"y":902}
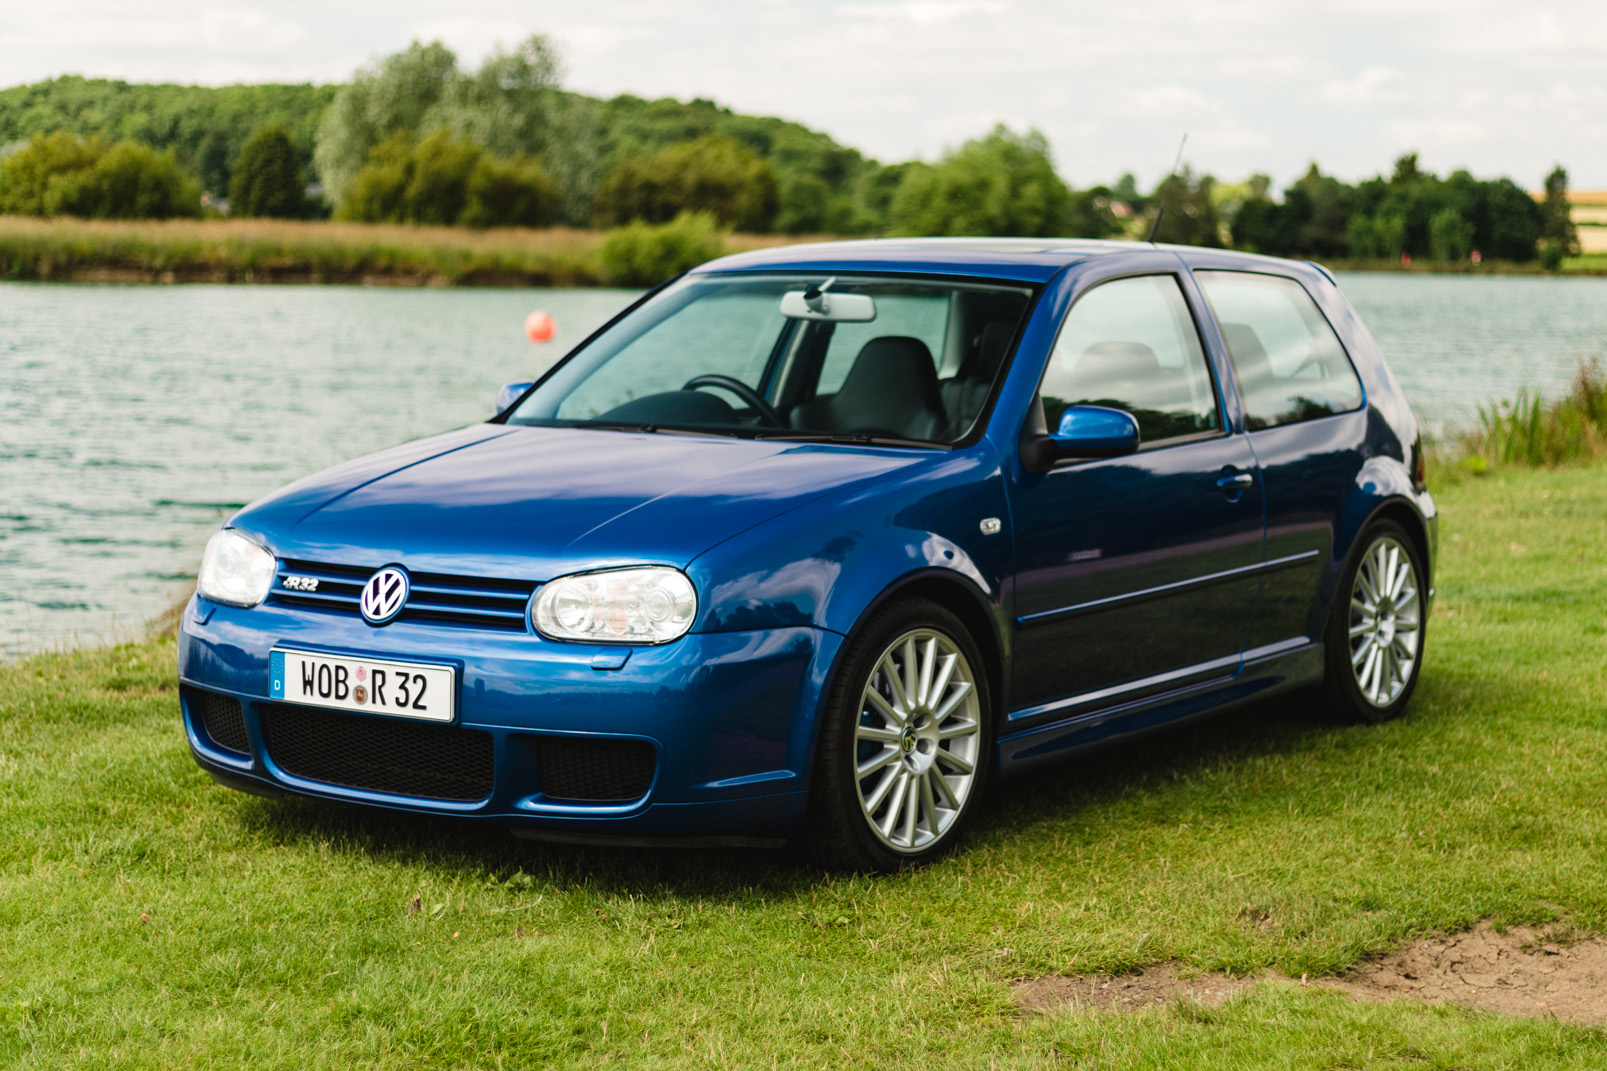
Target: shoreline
{"x":289,"y":252}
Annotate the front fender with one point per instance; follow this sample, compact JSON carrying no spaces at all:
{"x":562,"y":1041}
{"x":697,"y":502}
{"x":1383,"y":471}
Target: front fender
{"x":825,"y":564}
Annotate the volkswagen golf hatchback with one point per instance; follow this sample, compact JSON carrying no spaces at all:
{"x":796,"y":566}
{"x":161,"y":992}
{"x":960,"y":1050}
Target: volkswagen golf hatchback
{"x":816,"y":541}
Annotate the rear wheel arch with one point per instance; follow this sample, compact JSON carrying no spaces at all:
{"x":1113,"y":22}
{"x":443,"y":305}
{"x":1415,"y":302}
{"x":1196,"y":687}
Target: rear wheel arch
{"x":1402,"y":513}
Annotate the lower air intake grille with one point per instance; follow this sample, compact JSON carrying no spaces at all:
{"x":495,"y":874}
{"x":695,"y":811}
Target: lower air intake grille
{"x":220,"y":718}
{"x":402,"y":758}
{"x":595,"y":770}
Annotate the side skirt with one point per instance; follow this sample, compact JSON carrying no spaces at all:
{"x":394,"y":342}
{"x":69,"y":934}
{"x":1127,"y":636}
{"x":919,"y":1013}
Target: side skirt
{"x":1259,"y":678}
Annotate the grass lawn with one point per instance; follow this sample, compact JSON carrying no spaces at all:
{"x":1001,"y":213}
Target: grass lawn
{"x":151,"y":919}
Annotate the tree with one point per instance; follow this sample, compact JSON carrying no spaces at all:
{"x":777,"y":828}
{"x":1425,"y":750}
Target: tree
{"x":1257,"y":227}
{"x":1557,"y":228}
{"x":267,"y":177}
{"x":1450,"y":236}
{"x":713,"y":174}
{"x":508,"y":106}
{"x":1189,"y":217}
{"x":1089,"y":215}
{"x":1002,"y":184}
{"x":386,"y":97}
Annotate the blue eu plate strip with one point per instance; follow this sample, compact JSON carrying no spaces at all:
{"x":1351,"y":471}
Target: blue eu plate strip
{"x":276,"y":675}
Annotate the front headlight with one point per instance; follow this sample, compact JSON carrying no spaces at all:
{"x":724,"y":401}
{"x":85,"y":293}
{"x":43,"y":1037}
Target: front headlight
{"x":646,"y":604}
{"x":235,"y":570}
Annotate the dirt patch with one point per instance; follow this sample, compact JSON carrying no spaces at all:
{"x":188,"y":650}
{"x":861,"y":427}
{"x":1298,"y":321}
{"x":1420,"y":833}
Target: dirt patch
{"x":1147,"y":988}
{"x":1520,"y":972}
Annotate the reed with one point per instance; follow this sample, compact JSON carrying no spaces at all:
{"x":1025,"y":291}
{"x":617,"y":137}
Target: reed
{"x":245,"y":251}
{"x":1529,"y":430}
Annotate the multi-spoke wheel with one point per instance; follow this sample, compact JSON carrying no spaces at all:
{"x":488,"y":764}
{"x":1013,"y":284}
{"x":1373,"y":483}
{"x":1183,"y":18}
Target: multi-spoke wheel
{"x":1375,"y":637}
{"x":904,"y":749}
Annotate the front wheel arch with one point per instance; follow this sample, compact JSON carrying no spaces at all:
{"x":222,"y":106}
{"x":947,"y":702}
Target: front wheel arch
{"x":962,"y":599}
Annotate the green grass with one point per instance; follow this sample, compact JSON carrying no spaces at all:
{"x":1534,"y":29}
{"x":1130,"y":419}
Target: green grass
{"x":151,"y":919}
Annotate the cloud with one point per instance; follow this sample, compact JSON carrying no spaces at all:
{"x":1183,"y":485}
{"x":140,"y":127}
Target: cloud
{"x":1370,"y":86}
{"x":924,"y":11}
{"x":1175,"y":101}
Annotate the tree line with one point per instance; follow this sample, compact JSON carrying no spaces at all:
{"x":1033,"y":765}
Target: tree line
{"x":416,"y":138}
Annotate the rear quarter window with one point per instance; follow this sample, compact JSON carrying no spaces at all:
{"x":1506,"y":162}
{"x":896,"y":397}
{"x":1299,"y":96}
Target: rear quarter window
{"x":1289,"y":363}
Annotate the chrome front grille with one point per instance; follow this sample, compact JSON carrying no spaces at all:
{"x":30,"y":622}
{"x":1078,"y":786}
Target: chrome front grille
{"x":436,"y":598}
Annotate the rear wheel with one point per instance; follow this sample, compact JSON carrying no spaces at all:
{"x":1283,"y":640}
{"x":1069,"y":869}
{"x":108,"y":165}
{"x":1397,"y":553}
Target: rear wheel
{"x":906,"y":745}
{"x":1375,"y":634}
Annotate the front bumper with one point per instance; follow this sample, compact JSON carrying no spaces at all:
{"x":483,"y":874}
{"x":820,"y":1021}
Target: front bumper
{"x":729,"y":717}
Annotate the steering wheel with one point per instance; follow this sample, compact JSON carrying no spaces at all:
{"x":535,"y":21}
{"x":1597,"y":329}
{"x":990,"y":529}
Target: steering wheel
{"x":765,"y":410}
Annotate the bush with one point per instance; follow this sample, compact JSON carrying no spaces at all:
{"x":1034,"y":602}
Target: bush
{"x":438,"y":185}
{"x":63,"y":174}
{"x":511,"y":193}
{"x":645,"y":254}
{"x":713,"y":175}
{"x":442,"y":180}
{"x":266,"y":180}
{"x":1003,"y":184}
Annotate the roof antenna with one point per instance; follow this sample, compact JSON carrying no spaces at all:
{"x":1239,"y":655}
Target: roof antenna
{"x":1165,"y":189}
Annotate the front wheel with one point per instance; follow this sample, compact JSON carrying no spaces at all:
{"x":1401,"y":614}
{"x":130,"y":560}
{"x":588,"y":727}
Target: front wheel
{"x":905,"y":748}
{"x":1375,"y":635}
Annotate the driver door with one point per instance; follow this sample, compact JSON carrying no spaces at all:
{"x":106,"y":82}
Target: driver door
{"x":1135,"y":575}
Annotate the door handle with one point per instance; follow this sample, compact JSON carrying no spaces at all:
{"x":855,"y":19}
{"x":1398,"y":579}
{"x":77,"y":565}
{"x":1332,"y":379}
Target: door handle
{"x":1235,"y":481}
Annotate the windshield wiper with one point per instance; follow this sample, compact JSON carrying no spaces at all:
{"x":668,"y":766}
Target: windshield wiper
{"x":857,"y":438}
{"x":646,"y":429}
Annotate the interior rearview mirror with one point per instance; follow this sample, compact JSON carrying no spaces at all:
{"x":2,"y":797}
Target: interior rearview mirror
{"x":822,"y":304}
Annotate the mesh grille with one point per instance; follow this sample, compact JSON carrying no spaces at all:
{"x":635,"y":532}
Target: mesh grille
{"x":461,"y":601}
{"x":379,"y":754}
{"x":595,"y":770}
{"x":220,"y":718}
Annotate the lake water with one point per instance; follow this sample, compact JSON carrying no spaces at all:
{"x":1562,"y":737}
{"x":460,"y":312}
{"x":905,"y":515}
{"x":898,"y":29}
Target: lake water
{"x":134,"y":418}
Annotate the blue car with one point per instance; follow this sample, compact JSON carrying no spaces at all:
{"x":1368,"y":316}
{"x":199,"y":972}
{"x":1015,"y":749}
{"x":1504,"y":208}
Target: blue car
{"x":816,"y":542}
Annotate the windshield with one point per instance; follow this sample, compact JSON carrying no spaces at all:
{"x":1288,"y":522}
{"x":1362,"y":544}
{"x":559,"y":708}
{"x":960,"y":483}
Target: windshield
{"x":797,"y":356}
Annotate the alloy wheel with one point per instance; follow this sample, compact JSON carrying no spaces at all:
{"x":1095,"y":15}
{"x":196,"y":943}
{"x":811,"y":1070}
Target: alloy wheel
{"x":1386,"y":617}
{"x":917,"y":743}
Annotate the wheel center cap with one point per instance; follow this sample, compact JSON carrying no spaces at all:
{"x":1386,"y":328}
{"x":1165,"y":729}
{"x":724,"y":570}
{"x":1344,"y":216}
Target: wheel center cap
{"x":908,"y":743}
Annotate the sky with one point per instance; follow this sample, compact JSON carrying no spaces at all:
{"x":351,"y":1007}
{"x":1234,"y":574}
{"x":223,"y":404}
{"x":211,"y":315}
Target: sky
{"x":1496,"y":86}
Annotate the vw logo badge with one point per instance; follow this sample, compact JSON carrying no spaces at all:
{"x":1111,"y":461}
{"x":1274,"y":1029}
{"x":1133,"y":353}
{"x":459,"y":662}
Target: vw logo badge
{"x":384,"y":595}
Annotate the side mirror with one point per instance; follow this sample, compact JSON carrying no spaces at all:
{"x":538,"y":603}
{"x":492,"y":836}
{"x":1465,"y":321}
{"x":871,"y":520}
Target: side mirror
{"x":510,"y":393}
{"x":1085,"y":431}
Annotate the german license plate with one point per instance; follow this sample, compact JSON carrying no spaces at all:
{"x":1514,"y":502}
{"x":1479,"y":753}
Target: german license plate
{"x":371,"y":685}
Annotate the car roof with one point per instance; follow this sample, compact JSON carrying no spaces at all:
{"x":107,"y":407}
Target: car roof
{"x":1033,"y":260}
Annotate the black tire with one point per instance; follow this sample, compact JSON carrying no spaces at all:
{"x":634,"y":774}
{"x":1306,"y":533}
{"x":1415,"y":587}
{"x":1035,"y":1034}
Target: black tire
{"x":847,"y":826}
{"x":1368,"y":676}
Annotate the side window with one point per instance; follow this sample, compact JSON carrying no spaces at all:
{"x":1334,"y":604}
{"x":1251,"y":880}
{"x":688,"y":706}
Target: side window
{"x":1131,"y":344}
{"x":1289,"y":363}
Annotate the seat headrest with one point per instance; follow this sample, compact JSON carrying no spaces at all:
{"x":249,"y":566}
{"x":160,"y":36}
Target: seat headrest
{"x":991,"y":344}
{"x":892,"y":386}
{"x":891,"y":362}
{"x":1122,"y":359}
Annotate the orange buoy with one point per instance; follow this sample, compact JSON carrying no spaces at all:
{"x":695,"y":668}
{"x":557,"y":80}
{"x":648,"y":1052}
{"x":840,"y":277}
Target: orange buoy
{"x":539,"y":326}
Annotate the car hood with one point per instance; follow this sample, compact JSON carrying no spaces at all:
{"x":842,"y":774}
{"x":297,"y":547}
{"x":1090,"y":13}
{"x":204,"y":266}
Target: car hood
{"x":532,"y":503}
